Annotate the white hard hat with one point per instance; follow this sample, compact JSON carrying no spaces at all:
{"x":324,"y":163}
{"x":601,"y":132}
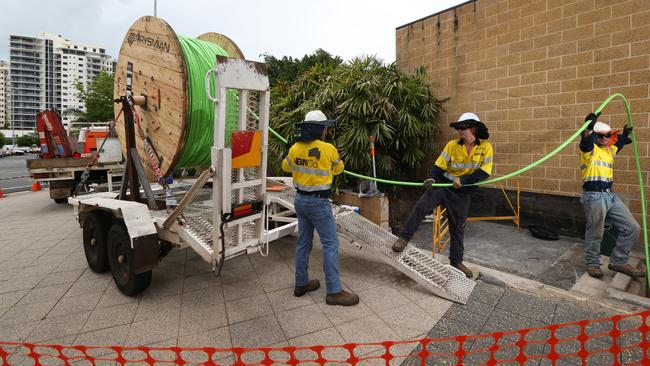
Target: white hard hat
{"x":600,"y":127}
{"x":318,"y":118}
{"x":469,"y":117}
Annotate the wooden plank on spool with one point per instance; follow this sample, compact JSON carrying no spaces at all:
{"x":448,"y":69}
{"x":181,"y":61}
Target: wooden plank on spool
{"x":224,"y":42}
{"x":159,"y":72}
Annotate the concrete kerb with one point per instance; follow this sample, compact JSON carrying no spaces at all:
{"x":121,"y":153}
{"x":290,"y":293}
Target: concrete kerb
{"x":543,"y":290}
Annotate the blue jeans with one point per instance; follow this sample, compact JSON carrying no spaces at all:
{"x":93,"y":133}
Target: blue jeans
{"x":314,"y":212}
{"x":601,"y":207}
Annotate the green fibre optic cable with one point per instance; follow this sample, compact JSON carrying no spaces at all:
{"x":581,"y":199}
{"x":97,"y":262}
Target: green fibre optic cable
{"x":538,"y":162}
{"x":199,"y":58}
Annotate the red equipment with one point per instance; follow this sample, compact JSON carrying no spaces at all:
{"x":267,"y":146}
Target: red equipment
{"x":54,"y":141}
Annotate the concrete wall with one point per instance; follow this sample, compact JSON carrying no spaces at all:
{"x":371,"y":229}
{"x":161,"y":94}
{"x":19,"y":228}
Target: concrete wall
{"x":532,"y":69}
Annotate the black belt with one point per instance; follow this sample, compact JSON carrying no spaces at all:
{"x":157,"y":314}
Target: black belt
{"x":316,"y":194}
{"x":599,"y":190}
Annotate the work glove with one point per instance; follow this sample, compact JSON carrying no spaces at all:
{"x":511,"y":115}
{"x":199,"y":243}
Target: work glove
{"x":593,"y":117}
{"x":428,"y":183}
{"x":627,"y":131}
{"x":457,"y":183}
{"x":626,"y":135}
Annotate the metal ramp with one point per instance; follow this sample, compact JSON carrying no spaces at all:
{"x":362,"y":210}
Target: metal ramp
{"x":441,"y":279}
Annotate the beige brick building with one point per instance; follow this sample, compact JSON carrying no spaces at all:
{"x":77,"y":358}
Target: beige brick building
{"x":532,"y":69}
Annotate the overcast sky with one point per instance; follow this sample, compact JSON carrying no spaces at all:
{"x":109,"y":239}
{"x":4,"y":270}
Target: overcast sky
{"x":347,"y":28}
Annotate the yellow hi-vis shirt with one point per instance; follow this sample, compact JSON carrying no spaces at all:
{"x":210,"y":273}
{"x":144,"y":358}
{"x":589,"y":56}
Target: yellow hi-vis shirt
{"x":598,"y":165}
{"x":313,"y":165}
{"x":455,"y":161}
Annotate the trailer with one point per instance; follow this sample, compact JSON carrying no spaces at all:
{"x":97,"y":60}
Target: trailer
{"x":231,"y":209}
{"x":65,"y":168}
{"x":64,"y":174}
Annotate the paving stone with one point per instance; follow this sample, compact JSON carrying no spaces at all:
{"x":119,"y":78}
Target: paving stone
{"x":327,"y":336}
{"x":279,"y":280}
{"x":463,"y":314}
{"x":366,"y":330}
{"x":503,"y":321}
{"x":284,"y":300}
{"x":110,"y":317}
{"x":9,"y":299}
{"x":164,"y":284}
{"x":258,"y":332}
{"x":382,"y":298}
{"x":82,"y":287}
{"x":168,"y":308}
{"x":151,"y":331}
{"x":447,"y":327}
{"x":17,"y":332}
{"x":75,"y":304}
{"x":56,"y":327}
{"x":112,"y":297}
{"x":303,"y":320}
{"x":248,"y":308}
{"x":114,"y":336}
{"x":196,"y":319}
{"x":26,"y":313}
{"x":409,"y":321}
{"x":218,"y":338}
{"x":486,"y":293}
{"x":58,"y":278}
{"x":204,"y":297}
{"x":571,"y":312}
{"x":528,"y":305}
{"x":202,"y":281}
{"x":239,"y":290}
{"x":45,"y":294}
{"x":269,"y":265}
{"x":338,"y":315}
{"x":20,"y":283}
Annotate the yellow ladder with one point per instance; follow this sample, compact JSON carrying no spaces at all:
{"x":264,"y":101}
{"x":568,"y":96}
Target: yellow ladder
{"x":440,"y":225}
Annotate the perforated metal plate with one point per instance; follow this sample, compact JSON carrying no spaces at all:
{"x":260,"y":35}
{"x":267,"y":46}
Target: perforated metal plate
{"x":443,"y":280}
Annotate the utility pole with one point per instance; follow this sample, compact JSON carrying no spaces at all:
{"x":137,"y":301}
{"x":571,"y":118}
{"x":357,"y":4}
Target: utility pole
{"x":155,"y":6}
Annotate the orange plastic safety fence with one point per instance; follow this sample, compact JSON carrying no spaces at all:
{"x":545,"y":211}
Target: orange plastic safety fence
{"x":619,"y":340}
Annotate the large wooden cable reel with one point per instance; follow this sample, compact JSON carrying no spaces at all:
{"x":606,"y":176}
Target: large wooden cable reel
{"x":151,"y":63}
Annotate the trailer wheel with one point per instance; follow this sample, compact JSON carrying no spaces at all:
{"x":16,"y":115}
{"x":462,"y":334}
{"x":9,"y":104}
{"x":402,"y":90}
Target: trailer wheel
{"x":61,"y":200}
{"x":95,"y":232}
{"x":120,"y":259}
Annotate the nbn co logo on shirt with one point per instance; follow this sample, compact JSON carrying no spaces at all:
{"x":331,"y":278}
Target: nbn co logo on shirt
{"x":306,"y":162}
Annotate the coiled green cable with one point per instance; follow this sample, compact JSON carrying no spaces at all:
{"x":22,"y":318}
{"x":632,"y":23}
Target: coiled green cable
{"x":538,"y":162}
{"x":199,"y":58}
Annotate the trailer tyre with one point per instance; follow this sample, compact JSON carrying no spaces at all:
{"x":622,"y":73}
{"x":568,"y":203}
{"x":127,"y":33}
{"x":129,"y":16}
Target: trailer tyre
{"x":61,"y":200}
{"x":95,"y":232}
{"x":120,"y":259}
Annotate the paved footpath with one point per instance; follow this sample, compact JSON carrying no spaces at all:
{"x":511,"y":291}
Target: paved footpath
{"x":48,"y":295}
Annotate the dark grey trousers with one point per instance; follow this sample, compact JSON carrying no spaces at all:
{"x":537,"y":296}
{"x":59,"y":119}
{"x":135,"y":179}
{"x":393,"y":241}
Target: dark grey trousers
{"x":457,"y":205}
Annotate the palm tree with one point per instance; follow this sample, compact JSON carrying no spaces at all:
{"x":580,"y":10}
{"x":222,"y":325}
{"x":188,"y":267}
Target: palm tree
{"x":366,"y":97}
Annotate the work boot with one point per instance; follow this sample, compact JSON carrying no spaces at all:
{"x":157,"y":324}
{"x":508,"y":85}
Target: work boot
{"x":342,"y":298}
{"x":461,"y":267}
{"x":595,"y":271}
{"x":627,"y":269}
{"x":400,"y":244}
{"x":313,"y":285}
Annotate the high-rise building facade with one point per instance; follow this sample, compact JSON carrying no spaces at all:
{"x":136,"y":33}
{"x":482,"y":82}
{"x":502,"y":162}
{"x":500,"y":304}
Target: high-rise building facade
{"x":4,"y":93}
{"x":44,"y":71}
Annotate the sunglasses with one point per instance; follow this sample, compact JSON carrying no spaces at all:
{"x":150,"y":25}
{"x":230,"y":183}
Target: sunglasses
{"x":461,"y":128}
{"x":603,"y":135}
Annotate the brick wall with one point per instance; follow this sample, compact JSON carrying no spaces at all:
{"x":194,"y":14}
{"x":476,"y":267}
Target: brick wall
{"x":532,"y":69}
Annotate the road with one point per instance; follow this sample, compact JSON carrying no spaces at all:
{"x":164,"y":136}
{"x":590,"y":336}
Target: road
{"x":13,"y":173}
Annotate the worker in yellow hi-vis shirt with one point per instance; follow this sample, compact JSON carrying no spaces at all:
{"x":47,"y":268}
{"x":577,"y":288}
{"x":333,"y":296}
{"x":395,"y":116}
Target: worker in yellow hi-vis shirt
{"x":313,"y":164}
{"x":465,"y":160}
{"x":598,"y":147}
